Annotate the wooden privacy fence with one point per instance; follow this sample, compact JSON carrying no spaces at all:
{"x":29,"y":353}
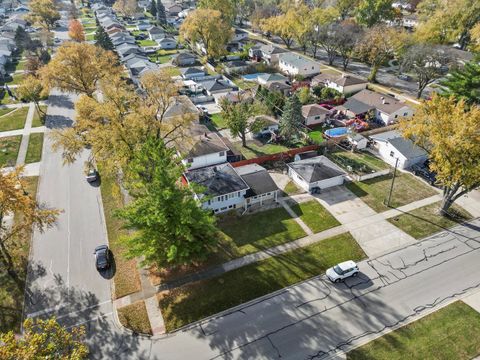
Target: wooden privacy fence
{"x":276,"y":157}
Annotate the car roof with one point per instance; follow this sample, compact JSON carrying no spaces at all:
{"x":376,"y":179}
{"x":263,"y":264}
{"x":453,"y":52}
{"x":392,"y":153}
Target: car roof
{"x":347,"y":265}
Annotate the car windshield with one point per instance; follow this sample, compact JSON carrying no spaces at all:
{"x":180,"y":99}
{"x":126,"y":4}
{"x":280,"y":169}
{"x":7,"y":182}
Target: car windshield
{"x":337,"y":269}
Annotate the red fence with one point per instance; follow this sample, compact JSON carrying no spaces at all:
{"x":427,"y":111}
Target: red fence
{"x":275,"y":157}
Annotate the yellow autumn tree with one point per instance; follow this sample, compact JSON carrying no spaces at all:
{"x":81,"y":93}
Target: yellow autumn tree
{"x":450,"y":132}
{"x":78,"y":68}
{"x":43,"y":13}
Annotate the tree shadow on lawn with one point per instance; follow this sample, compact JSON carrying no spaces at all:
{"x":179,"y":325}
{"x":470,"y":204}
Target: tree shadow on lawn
{"x":74,"y":307}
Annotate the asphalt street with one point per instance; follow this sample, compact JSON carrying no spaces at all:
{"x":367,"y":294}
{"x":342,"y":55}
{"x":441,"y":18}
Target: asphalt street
{"x":310,"y":320}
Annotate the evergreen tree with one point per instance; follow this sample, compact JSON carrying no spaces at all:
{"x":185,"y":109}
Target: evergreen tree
{"x":464,"y":83}
{"x":102,"y":39}
{"x":170,"y":227}
{"x":291,"y":122}
{"x":153,"y":8}
{"x":161,"y":15}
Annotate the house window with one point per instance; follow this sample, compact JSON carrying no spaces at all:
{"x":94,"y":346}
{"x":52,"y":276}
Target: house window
{"x":189,"y":160}
{"x":392,"y":154}
{"x":209,"y":202}
{"x":222,"y":153}
{"x":238,"y":194}
{"x":396,"y":116}
{"x":317,"y":117}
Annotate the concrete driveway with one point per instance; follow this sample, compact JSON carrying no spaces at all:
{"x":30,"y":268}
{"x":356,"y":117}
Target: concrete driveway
{"x":373,"y":233}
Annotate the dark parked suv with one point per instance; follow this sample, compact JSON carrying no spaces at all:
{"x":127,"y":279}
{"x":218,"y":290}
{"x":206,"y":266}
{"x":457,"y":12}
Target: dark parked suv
{"x":423,"y":171}
{"x":102,"y":257}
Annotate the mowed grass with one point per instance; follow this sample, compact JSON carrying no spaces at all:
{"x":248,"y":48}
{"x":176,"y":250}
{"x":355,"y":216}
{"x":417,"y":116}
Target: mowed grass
{"x":9,"y":147}
{"x":37,"y":118}
{"x":14,"y":120}
{"x":218,"y":121}
{"x":251,"y":233}
{"x":375,"y":191}
{"x":291,"y":188}
{"x":135,"y":317}
{"x":452,"y":332}
{"x":360,"y":162}
{"x":171,"y":70}
{"x":315,"y":216}
{"x":254,"y":149}
{"x":15,"y":79}
{"x":147,"y":43}
{"x":34,"y":150}
{"x":11,"y":296}
{"x":126,"y":279}
{"x":196,"y":301}
{"x":425,"y":221}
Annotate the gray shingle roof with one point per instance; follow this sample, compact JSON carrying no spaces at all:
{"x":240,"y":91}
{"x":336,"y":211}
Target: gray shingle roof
{"x":257,"y":178}
{"x":316,"y":169}
{"x":407,"y":148}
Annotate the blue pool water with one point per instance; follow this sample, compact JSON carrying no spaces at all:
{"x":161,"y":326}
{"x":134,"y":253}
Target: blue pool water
{"x":252,"y":77}
{"x":336,"y":132}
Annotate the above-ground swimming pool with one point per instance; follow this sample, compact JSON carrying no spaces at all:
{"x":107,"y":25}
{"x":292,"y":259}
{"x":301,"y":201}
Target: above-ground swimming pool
{"x":336,"y":132}
{"x":252,"y":77}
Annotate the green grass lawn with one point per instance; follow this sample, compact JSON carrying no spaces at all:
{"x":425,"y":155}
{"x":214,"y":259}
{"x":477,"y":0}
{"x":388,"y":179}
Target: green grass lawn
{"x":9,"y":147}
{"x":291,"y":188}
{"x":14,"y":120}
{"x":90,"y":37}
{"x":218,"y":121}
{"x":138,"y":32}
{"x":126,"y":279}
{"x":160,"y":59}
{"x":317,"y":134}
{"x":204,"y":298}
{"x":15,"y":79}
{"x":425,"y":221}
{"x":6,"y":99}
{"x":34,"y":150}
{"x":254,"y":150}
{"x":135,"y":317}
{"x":406,"y":189}
{"x":5,"y":111}
{"x":11,"y":296}
{"x":251,"y":233}
{"x":315,"y":216}
{"x":37,"y":120}
{"x":452,"y":332}
{"x":360,"y":162}
{"x":147,"y":42}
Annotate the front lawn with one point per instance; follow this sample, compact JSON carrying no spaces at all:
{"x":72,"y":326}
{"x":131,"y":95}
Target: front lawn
{"x":315,"y":216}
{"x":11,"y":296}
{"x":9,"y":147}
{"x":90,"y":37}
{"x":147,"y":42}
{"x":160,"y":59}
{"x":218,"y":121}
{"x":37,"y":118}
{"x":126,"y":279}
{"x":14,"y":120}
{"x":375,"y":191}
{"x":135,"y":317}
{"x":6,"y":99}
{"x":452,"y":332}
{"x":425,"y":221}
{"x":34,"y":150}
{"x":15,"y":79}
{"x":198,"y":300}
{"x":292,"y":189}
{"x":251,"y":233}
{"x":360,"y":163}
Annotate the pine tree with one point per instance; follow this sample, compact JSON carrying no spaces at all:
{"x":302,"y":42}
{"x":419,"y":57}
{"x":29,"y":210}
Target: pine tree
{"x":464,"y":83}
{"x":161,"y":15}
{"x":102,"y":39}
{"x":291,"y":122}
{"x":153,"y":8}
{"x":170,"y":226}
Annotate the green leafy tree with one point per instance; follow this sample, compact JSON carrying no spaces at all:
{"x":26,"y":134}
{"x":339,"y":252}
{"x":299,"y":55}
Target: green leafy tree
{"x":305,"y":96}
{"x":449,"y":131}
{"x":102,"y":39}
{"x":291,"y":122}
{"x":464,"y":83}
{"x":161,"y":14}
{"x":153,"y":8}
{"x":372,"y":12}
{"x":239,"y":118}
{"x":44,"y":13}
{"x":44,"y":339}
{"x":345,"y":7}
{"x":274,"y":101}
{"x":169,"y":226}
{"x":226,"y":8}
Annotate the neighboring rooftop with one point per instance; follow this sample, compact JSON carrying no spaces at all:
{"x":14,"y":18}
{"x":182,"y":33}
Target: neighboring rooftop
{"x":316,"y":169}
{"x":340,"y":80}
{"x":314,"y":110}
{"x":381,"y":102}
{"x":257,"y":178}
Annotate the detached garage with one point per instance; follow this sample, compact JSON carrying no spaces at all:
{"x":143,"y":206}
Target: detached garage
{"x":316,"y":172}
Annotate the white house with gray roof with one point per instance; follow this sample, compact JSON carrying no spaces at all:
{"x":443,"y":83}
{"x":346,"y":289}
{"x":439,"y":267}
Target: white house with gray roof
{"x":392,"y":146}
{"x":293,"y":64}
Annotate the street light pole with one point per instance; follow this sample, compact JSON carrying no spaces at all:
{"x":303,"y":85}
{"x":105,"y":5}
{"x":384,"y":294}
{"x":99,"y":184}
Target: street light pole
{"x":393,"y":181}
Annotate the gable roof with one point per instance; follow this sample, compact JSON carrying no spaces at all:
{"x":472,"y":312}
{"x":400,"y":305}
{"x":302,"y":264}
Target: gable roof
{"x":272,"y":50}
{"x":191,"y":70}
{"x":404,"y":146}
{"x":272,"y":77}
{"x":296,"y":60}
{"x":217,"y":180}
{"x":316,"y":169}
{"x":355,"y":106}
{"x":314,"y":110}
{"x":257,"y":178}
{"x":381,"y":102}
{"x":340,"y":80}
{"x":205,"y":143}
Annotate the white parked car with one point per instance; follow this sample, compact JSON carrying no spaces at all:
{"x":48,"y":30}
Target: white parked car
{"x":342,"y":271}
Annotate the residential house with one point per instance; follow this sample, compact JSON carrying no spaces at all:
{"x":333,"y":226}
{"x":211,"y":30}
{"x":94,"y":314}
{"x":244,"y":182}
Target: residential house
{"x":217,"y":86}
{"x":293,"y":65}
{"x":155,"y":33}
{"x":127,"y":49}
{"x":239,"y":35}
{"x":182,"y":106}
{"x":392,"y":146}
{"x":236,"y":67}
{"x":385,"y":108}
{"x":315,"y":114}
{"x":280,"y":87}
{"x":224,"y":189}
{"x":358,"y":141}
{"x":266,"y":78}
{"x":262,"y":188}
{"x":173,"y":10}
{"x":167,"y":43}
{"x":316,"y":173}
{"x":184,"y":59}
{"x":270,"y":124}
{"x":192,"y":73}
{"x":345,"y":84}
{"x":270,"y":54}
{"x":143,"y":25}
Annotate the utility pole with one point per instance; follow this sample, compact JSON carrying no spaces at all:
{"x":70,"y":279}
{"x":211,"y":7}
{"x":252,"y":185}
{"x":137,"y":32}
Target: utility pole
{"x":393,"y":181}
